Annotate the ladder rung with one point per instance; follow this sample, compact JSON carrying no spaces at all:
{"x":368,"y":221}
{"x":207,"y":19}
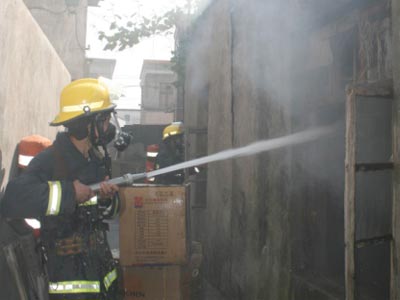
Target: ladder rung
{"x":373,"y":241}
{"x":365,"y":167}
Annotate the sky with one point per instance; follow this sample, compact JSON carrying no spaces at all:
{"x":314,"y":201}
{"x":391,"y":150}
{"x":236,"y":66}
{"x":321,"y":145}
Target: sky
{"x":129,"y":61}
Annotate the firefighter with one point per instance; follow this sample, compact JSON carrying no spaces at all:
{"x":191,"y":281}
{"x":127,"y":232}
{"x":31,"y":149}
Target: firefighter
{"x":171,"y":152}
{"x":54,"y":188}
{"x":22,"y":271}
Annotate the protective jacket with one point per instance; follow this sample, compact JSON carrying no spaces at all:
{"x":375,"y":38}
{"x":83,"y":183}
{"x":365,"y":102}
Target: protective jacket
{"x":79,"y":261}
{"x":168,"y":157}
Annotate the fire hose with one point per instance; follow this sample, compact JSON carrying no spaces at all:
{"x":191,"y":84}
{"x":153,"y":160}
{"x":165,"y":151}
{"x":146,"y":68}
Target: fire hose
{"x":251,"y":149}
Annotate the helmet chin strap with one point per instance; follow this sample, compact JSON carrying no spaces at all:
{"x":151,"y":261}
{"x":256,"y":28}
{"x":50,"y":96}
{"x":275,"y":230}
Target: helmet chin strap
{"x":100,"y":140}
{"x":107,"y":161}
{"x":93,"y":138}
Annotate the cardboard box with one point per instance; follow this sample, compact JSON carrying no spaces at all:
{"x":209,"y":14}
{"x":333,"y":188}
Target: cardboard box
{"x":152,"y":283}
{"x":152,"y":225}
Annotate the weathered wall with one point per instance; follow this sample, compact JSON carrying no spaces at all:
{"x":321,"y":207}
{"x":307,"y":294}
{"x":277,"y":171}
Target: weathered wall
{"x":158,"y":91}
{"x":158,"y":97}
{"x":208,"y":105}
{"x":395,"y":283}
{"x":31,"y":75}
{"x":258,"y":77}
{"x":351,"y":47}
{"x":232,"y":89}
{"x":65,"y":27}
{"x":155,"y":117}
{"x":260,"y":111}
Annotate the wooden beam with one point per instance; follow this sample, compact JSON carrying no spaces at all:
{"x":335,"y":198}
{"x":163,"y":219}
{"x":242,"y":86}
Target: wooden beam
{"x":374,"y":241}
{"x":395,"y":253}
{"x":382,"y":89}
{"x":349,"y":195}
{"x":368,"y":167}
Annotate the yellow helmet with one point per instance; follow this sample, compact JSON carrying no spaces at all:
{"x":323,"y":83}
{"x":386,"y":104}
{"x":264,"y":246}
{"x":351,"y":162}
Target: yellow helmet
{"x":82,"y":97}
{"x":175,"y":128}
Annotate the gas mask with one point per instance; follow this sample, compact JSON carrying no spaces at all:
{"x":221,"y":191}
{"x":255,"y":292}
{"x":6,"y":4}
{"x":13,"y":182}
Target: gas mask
{"x":122,"y":139}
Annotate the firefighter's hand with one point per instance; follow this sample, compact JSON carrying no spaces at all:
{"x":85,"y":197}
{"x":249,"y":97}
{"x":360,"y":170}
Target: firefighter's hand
{"x":107,"y":190}
{"x":82,"y":192}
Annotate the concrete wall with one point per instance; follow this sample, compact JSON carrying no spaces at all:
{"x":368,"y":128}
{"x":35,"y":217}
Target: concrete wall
{"x":272,"y":224}
{"x":331,"y":56}
{"x":159,"y":97}
{"x":31,"y":75}
{"x":232,"y":89}
{"x":155,"y":117}
{"x":158,"y":91}
{"x":129,"y":116}
{"x":65,"y":27}
{"x":208,"y":105}
{"x":261,"y":111}
{"x":396,"y":150}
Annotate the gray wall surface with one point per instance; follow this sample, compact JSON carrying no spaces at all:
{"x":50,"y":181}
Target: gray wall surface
{"x":243,"y":226}
{"x":396,"y":149}
{"x":158,"y":102}
{"x":31,"y":75}
{"x":272,"y":224}
{"x":65,"y":27}
{"x":209,"y":79}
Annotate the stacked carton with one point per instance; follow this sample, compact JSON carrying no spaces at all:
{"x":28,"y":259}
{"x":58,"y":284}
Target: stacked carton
{"x":153,"y":243}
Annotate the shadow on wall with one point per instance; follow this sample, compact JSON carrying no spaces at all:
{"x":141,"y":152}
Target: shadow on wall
{"x":2,"y":174}
{"x":13,"y":170}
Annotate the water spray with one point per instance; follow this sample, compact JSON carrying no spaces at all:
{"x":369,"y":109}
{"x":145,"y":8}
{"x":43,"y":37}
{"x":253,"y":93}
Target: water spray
{"x":251,"y":149}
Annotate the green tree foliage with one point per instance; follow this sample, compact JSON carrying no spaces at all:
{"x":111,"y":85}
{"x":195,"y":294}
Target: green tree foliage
{"x":124,"y":34}
{"x":178,"y":60}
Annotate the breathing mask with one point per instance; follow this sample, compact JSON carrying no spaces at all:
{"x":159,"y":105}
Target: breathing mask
{"x":122,"y":139}
{"x":113,"y":131}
